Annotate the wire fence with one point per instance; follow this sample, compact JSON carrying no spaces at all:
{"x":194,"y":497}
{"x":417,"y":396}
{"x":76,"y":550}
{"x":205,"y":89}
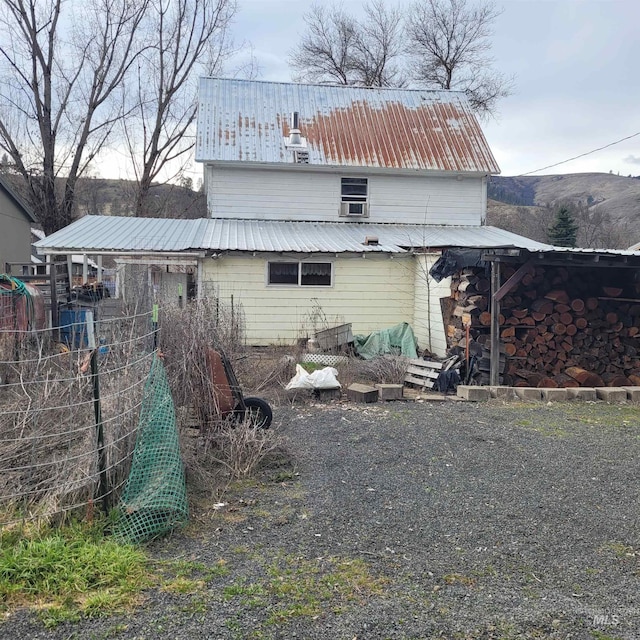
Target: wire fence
{"x":68,"y":414}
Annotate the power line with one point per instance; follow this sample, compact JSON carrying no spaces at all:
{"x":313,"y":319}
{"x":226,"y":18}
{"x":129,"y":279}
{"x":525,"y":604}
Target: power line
{"x":582,"y":155}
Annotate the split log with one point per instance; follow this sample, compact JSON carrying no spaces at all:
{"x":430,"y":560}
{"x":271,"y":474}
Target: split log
{"x":612,"y":292}
{"x":510,"y":349}
{"x":577,"y":305}
{"x":563,"y":380}
{"x":592,"y":304}
{"x":584,"y":378}
{"x":547,"y":383}
{"x":542,"y":306}
{"x":557,"y":295}
{"x":559,"y":329}
{"x":612,"y":379}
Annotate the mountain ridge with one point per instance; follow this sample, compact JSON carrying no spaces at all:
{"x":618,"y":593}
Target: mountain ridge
{"x":527,"y":204}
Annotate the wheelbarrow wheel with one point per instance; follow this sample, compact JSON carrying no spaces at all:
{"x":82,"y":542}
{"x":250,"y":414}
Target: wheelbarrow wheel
{"x":258,"y":413}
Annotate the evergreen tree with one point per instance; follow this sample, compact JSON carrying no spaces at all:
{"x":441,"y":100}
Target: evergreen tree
{"x":564,"y":231}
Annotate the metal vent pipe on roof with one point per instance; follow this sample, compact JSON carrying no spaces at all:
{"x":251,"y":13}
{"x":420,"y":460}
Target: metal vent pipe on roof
{"x":294,"y":133}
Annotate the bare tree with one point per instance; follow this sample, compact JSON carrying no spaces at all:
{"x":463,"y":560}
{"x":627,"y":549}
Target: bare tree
{"x":450,"y":42}
{"x":58,"y":75}
{"x":447,"y":47}
{"x":341,"y":49}
{"x":186,"y":39}
{"x":598,"y":229}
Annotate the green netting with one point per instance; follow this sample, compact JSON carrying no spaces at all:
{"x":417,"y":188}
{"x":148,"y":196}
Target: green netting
{"x":155,"y":496}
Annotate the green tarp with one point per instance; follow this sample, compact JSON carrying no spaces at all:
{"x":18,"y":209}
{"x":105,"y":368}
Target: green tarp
{"x":398,"y":340}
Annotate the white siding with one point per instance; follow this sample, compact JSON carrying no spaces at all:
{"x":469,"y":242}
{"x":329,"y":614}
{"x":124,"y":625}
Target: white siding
{"x":269,"y":194}
{"x":372,"y":293}
{"x":428,"y":324}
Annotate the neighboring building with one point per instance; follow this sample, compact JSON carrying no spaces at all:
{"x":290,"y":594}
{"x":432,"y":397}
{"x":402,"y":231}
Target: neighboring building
{"x":327,"y":205}
{"x":79,"y":271}
{"x":16,"y":219}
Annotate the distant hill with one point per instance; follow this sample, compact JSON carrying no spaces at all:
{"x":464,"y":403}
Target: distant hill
{"x":607,"y":206}
{"x":98,"y":196}
{"x":115,"y":197}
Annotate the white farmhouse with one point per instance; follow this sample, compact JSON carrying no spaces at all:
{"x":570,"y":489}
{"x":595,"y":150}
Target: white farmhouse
{"x":336,"y":200}
{"x":326,"y":205}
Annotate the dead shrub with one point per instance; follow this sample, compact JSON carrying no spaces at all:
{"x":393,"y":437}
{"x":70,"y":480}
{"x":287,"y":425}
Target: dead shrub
{"x":386,"y":369}
{"x":185,"y":335}
{"x":48,"y":433}
{"x":265,"y":372}
{"x":216,"y":448}
{"x":215,"y":459}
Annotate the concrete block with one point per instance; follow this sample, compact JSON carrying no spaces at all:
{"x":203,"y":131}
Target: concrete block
{"x":362,"y":393}
{"x":612,"y":394}
{"x":504,"y":393}
{"x":554,"y":395}
{"x":327,"y":395}
{"x":475,"y":394}
{"x":528,"y":393}
{"x":582,"y":393}
{"x":633,"y":393}
{"x":390,"y":391}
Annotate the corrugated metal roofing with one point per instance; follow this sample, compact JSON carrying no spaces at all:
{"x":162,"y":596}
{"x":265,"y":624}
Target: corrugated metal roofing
{"x":248,"y":121}
{"x":581,"y":251}
{"x":114,"y":233}
{"x":95,"y":234}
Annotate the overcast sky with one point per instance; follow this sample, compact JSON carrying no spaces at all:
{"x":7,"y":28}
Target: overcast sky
{"x":577,"y":77}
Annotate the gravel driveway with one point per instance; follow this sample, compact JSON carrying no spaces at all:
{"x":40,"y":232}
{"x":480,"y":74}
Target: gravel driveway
{"x":410,"y":520}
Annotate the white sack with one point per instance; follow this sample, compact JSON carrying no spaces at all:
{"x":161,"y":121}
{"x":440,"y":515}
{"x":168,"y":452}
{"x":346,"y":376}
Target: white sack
{"x":320,"y":379}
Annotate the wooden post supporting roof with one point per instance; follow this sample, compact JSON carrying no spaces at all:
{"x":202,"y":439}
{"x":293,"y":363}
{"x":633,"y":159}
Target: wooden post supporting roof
{"x":495,"y":325}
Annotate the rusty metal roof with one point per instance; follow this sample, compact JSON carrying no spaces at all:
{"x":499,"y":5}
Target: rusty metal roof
{"x":124,"y":235}
{"x":248,"y":121}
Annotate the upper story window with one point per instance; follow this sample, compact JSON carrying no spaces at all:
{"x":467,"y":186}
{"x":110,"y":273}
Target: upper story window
{"x":354,"y":195}
{"x":303,"y":274}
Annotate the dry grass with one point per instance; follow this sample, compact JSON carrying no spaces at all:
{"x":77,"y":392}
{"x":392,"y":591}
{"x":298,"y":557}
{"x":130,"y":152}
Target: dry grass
{"x":48,"y":432}
{"x":384,"y":370}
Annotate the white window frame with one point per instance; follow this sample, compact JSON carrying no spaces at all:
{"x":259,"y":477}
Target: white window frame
{"x":357,"y":201}
{"x":299,"y":283}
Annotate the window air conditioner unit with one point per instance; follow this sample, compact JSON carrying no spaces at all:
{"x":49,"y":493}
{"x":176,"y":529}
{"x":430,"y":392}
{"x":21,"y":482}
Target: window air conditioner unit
{"x":354,"y":209}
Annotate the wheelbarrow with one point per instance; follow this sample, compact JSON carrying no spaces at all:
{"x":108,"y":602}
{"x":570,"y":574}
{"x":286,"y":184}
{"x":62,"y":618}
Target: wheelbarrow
{"x":228,"y":395}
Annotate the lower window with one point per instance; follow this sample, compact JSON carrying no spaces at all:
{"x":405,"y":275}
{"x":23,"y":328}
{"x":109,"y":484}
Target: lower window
{"x":304,"y":274}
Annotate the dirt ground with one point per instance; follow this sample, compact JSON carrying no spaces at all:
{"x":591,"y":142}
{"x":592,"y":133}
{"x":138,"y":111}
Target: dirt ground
{"x":411,"y":520}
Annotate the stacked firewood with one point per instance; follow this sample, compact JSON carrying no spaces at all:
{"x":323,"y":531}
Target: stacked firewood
{"x":558,"y":327}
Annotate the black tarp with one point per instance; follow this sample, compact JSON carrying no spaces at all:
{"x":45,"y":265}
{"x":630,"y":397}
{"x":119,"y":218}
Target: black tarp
{"x":453,"y":260}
